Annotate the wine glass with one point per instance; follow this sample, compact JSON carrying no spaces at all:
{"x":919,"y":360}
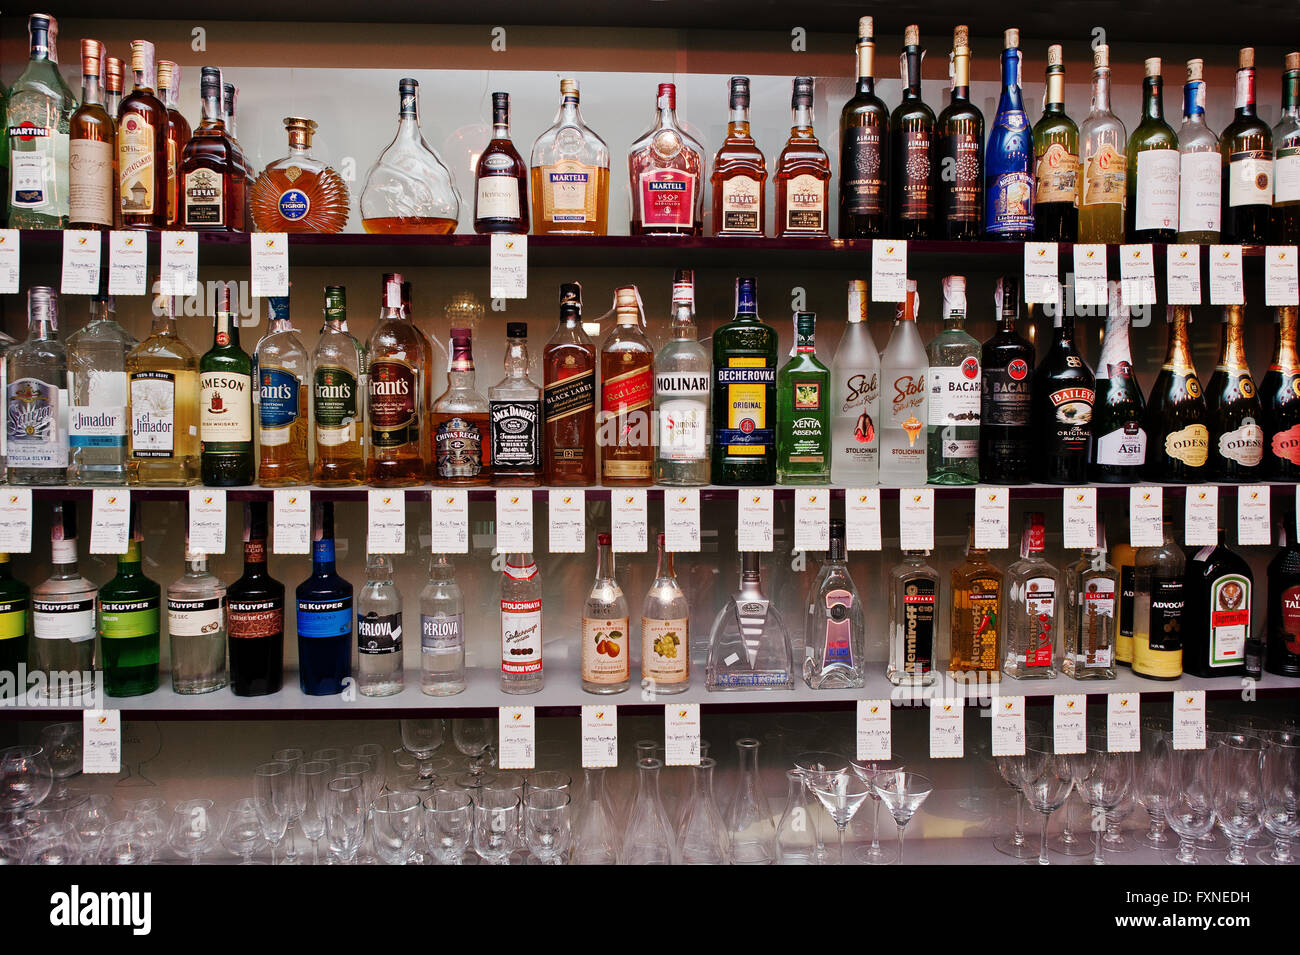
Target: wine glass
{"x":193,"y":829}
{"x":274,"y":800}
{"x":54,"y":843}
{"x":902,"y":793}
{"x":1237,"y":789}
{"x":1014,"y":843}
{"x":25,"y":780}
{"x":548,"y":825}
{"x":89,"y":818}
{"x":421,"y":738}
{"x":62,"y":745}
{"x":313,"y":779}
{"x":473,"y":739}
{"x":1046,"y":782}
{"x":330,"y":754}
{"x":815,"y":766}
{"x":124,"y":843}
{"x":345,"y":817}
{"x":242,"y":832}
{"x":842,"y":795}
{"x":448,"y":824}
{"x":364,"y":770}
{"x":496,"y":825}
{"x":546,"y":779}
{"x":1280,"y":781}
{"x":148,"y":816}
{"x":1153,"y":776}
{"x":294,"y":756}
{"x":1189,"y":802}
{"x":396,"y":827}
{"x":875,"y":854}
{"x":1105,"y":780}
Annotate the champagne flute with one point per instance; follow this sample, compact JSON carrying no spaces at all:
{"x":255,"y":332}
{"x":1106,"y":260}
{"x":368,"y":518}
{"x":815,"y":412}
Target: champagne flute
{"x":273,"y":799}
{"x":313,"y":777}
{"x":1153,"y":777}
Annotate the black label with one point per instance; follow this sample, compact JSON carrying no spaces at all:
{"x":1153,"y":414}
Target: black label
{"x":1127,"y":582}
{"x":573,"y":395}
{"x":379,"y":634}
{"x":1167,"y":613}
{"x":516,"y":431}
{"x":1007,"y":401}
{"x":861,"y":165}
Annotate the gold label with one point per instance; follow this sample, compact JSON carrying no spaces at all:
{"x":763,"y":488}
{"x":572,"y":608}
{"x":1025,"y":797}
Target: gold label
{"x":569,"y":192}
{"x":742,"y":204}
{"x":172,"y":184}
{"x":665,"y":650}
{"x":1103,"y":178}
{"x":90,"y":182}
{"x":1058,"y":175}
{"x":604,"y":651}
{"x":805,"y":204}
{"x":1191,"y":445}
{"x":135,"y":155}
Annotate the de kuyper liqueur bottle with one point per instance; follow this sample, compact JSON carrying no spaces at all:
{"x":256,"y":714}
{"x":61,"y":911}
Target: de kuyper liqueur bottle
{"x":904,"y":399}
{"x":975,"y":636}
{"x":1033,"y":608}
{"x":324,"y":614}
{"x":63,"y":616}
{"x":378,"y":665}
{"x":1009,"y":164}
{"x":128,"y":611}
{"x":739,"y":172}
{"x":163,"y":392}
{"x":283,"y":370}
{"x":1092,"y":589}
{"x":97,"y":417}
{"x":15,"y":619}
{"x":255,"y":615}
{"x":36,"y":396}
{"x":299,"y":193}
{"x":665,"y":631}
{"x":569,"y":397}
{"x":515,"y":416}
{"x":744,"y":395}
{"x":462,"y":439}
{"x":626,"y":397}
{"x":864,"y":148}
{"x":338,"y":409}
{"x":682,"y":378}
{"x":953,"y":441}
{"x":442,"y":631}
{"x":196,"y":626}
{"x":606,"y":643}
{"x":855,"y":398}
{"x":913,"y":600}
{"x":395,"y":405}
{"x":570,"y":173}
{"x":226,"y":403}
{"x":749,"y":645}
{"x":803,"y":416}
{"x":665,"y":173}
{"x":521,"y":626}
{"x":835,"y":626}
{"x":38,"y":114}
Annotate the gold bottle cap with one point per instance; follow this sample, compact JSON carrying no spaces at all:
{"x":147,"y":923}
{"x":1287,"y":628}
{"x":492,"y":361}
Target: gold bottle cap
{"x":1195,"y":69}
{"x":1293,"y":61}
{"x":1055,"y":55}
{"x":1246,"y":58}
{"x":1101,"y":56}
{"x":568,"y":86}
{"x":866,"y":29}
{"x":912,"y":35}
{"x":1011,"y":39}
{"x":626,"y":301}
{"x":1151,"y":66}
{"x":141,"y":56}
{"x":92,"y":55}
{"x":300,"y":130}
{"x":168,"y":71}
{"x":961,"y":39}
{"x":113,"y":72}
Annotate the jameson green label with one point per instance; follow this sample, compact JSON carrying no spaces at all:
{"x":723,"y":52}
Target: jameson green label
{"x":122,"y":619}
{"x":335,"y":398}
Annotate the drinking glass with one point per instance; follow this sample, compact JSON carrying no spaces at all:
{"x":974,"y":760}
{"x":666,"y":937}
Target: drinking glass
{"x":331,"y":754}
{"x":89,"y":818}
{"x":193,"y":830}
{"x":902,"y":793}
{"x":54,"y":843}
{"x":448,"y":825}
{"x":1153,"y":776}
{"x":274,"y":800}
{"x":473,"y":739}
{"x":294,"y":756}
{"x":1237,"y":788}
{"x":842,"y":795}
{"x":56,"y":806}
{"x":1046,"y":781}
{"x":311,"y":788}
{"x":62,"y":745}
{"x":548,"y":825}
{"x":496,"y":825}
{"x":1189,"y":802}
{"x":345,"y":818}
{"x":421,"y":738}
{"x":371,"y":782}
{"x":25,"y":780}
{"x":1105,"y":779}
{"x":148,"y":816}
{"x":242,"y":832}
{"x":546,"y":779}
{"x":1280,"y":781}
{"x":1014,"y":843}
{"x":875,"y":854}
{"x":396,"y":827}
{"x":372,"y":753}
{"x":124,"y":843}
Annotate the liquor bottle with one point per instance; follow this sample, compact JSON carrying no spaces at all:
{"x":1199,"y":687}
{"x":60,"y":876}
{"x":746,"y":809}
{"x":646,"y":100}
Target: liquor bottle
{"x":97,"y":417}
{"x":1158,"y":609}
{"x":324,"y":614}
{"x":378,"y":664}
{"x":1199,"y":174}
{"x":128,"y":625}
{"x":1282,"y":655}
{"x":1033,"y":613}
{"x":570,"y":173}
{"x":1151,"y":211}
{"x":749,"y":646}
{"x":299,"y":193}
{"x":606,"y":643}
{"x":212,"y":185}
{"x":226,"y":403}
{"x":1009,"y":166}
{"x":38,"y":118}
{"x":1056,"y":160}
{"x":163,"y":390}
{"x":442,"y":631}
{"x":515,"y":416}
{"x":36,"y":396}
{"x":63,"y":616}
{"x":626,"y":397}
{"x":1285,"y":221}
{"x":1064,"y":392}
{"x":337,"y":408}
{"x":142,"y":147}
{"x":974,"y":647}
{"x":835,"y":626}
{"x":953,"y":438}
{"x":178,"y":133}
{"x":426,"y":394}
{"x":460,"y":422}
{"x":1280,"y":401}
{"x":803,"y":439}
{"x":665,"y":631}
{"x":409,"y":188}
{"x":1006,"y":394}
{"x":1217,"y":619}
{"x":864,"y":148}
{"x":521,"y":626}
{"x":1125,"y":558}
{"x":1233,"y":412}
{"x":744,"y":395}
{"x":855,"y":398}
{"x":15,"y":619}
{"x":1091,"y":585}
{"x":1103,"y":140}
{"x":913,"y":599}
{"x":739,"y":172}
{"x":255,"y":615}
{"x":959,"y":152}
{"x":569,"y":397}
{"x":803,"y":172}
{"x":665,"y":172}
{"x":905,"y":399}
{"x":92,"y":134}
{"x":1178,"y":442}
{"x":283,"y":370}
{"x":196,"y":627}
{"x":114,"y":69}
{"x":501,"y":178}
{"x":911,"y":144}
{"x":395,"y":406}
{"x":1246,"y":148}
{"x":682,"y":378}
{"x":228,"y":96}
{"x":1119,"y":442}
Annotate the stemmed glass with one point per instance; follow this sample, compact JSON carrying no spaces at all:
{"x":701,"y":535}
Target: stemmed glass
{"x":147,"y":814}
{"x":815,"y":767}
{"x":25,"y":780}
{"x":54,"y":843}
{"x":1189,"y":802}
{"x":330,"y":754}
{"x":448,"y":825}
{"x":311,"y":792}
{"x":421,"y":738}
{"x":902,"y":793}
{"x":496,"y":825}
{"x":193,"y":829}
{"x":473,"y":739}
{"x":1238,"y":797}
{"x":124,"y":843}
{"x":1280,"y":782}
{"x":1014,"y":843}
{"x":62,"y":745}
{"x":548,"y":825}
{"x":345,"y":818}
{"x":242,"y":832}
{"x":396,"y":827}
{"x":1105,"y":780}
{"x":89,"y":818}
{"x":274,"y":801}
{"x":1153,"y":777}
{"x":842,"y":796}
{"x":1046,"y":781}
{"x":875,"y":854}
{"x":294,"y":756}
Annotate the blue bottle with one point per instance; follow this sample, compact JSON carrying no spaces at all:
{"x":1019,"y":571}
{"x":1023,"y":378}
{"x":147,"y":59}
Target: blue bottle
{"x":1008,"y":164}
{"x":325,"y":614}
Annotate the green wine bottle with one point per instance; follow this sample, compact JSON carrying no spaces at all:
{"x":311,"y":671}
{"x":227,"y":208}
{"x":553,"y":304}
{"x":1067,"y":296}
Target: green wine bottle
{"x":127,"y":622}
{"x":226,"y":404}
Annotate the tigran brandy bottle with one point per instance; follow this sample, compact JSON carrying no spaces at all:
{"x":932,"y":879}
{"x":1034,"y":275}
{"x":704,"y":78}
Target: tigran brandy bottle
{"x":212,"y":183}
{"x":501,"y":178}
{"x":803,"y":172}
{"x":911,"y":135}
{"x":299,"y":193}
{"x":283,"y":371}
{"x":163,"y":380}
{"x":626,"y":397}
{"x":142,"y":147}
{"x":959,"y":152}
{"x":338,"y":405}
{"x":974,"y":653}
{"x":864,"y":148}
{"x":226,"y":403}
{"x":1056,"y":158}
{"x":92,"y":137}
{"x":739,"y":172}
{"x":569,"y":397}
{"x":462,"y":443}
{"x":178,"y":133}
{"x":570,"y":173}
{"x":666,"y":174}
{"x":1246,"y":148}
{"x":395,"y":403}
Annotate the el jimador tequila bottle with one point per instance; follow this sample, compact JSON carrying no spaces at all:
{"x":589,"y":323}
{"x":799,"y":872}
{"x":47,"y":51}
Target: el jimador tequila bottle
{"x":163,"y":391}
{"x":97,"y":418}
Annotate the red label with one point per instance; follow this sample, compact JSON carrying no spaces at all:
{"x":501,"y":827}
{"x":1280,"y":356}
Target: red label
{"x":392,"y":404}
{"x":1286,"y":444}
{"x":1291,"y":615}
{"x":1071,"y":394}
{"x":1230,"y":618}
{"x":971,"y":367}
{"x":668,"y":198}
{"x":1018,"y":369}
{"x":628,"y":391}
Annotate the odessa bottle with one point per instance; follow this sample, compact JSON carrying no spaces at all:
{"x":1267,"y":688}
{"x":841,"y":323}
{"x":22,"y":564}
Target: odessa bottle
{"x":325,"y":614}
{"x":1220,"y":587}
{"x":1006,"y":395}
{"x":903,"y":369}
{"x":855,"y":398}
{"x":255,"y":615}
{"x":864,"y":149}
{"x":1119,"y":442}
{"x":1152,"y":211}
{"x":1233,"y":413}
{"x":953,"y":440}
{"x":682,"y":379}
{"x":1280,"y":401}
{"x":1009,"y":167}
{"x":959,"y":150}
{"x":744,"y":395}
{"x":1178,"y":441}
{"x":1064,"y":391}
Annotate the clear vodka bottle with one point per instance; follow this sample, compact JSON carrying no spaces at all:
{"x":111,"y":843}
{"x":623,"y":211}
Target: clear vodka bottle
{"x":521,"y":626}
{"x":196,"y":627}
{"x":442,"y":631}
{"x":379,"y":630}
{"x":835,"y":641}
{"x":1033,"y":608}
{"x":749,"y":646}
{"x":855,"y":399}
{"x":904,"y":400}
{"x":683,"y":373}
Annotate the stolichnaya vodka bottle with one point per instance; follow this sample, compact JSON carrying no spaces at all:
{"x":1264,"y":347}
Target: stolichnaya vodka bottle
{"x":904,"y":400}
{"x":855,"y":399}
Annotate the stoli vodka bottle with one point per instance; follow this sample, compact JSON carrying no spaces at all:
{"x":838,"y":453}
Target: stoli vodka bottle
{"x":904,"y":400}
{"x":749,"y":646}
{"x":855,"y":398}
{"x":379,"y":630}
{"x":521,"y":626}
{"x":835,"y":641}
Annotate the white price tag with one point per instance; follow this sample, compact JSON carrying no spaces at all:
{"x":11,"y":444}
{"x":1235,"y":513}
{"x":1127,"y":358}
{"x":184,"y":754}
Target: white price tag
{"x":628,"y":521}
{"x":1226,"y":284}
{"x":1069,"y":723}
{"x":1189,"y":719}
{"x":515,"y":521}
{"x":101,"y":741}
{"x":567,"y":515}
{"x":1079,"y":518}
{"x":509,"y":266}
{"x":1137,"y":274}
{"x":947,"y":728}
{"x":1146,"y":510}
{"x":291,"y":521}
{"x":862,"y":518}
{"x":110,"y":520}
{"x":1042,"y":272}
{"x":916,"y":518}
{"x":875,"y":730}
{"x":1123,"y":722}
{"x":207,"y":520}
{"x":888,"y":270}
{"x":386,"y":521}
{"x":9,"y":262}
{"x":1254,"y":526}
{"x":682,"y":734}
{"x":1281,"y":281}
{"x":270,"y":264}
{"x":517,"y":737}
{"x":992,"y":517}
{"x":599,"y":736}
{"x":128,"y":263}
{"x":1201,"y":518}
{"x":754,"y":519}
{"x":1183,"y":275}
{"x":81,"y":253}
{"x":449,"y":520}
{"x":1008,"y":726}
{"x":681,"y":519}
{"x":180,"y":263}
{"x":16,"y":520}
{"x":1090,"y":275}
{"x":812,"y":518}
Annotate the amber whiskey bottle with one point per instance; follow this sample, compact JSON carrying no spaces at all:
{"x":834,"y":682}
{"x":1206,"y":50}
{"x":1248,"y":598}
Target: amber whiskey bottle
{"x":569,"y":397}
{"x":92,"y":134}
{"x":501,"y":179}
{"x":739,"y":172}
{"x":142,"y":147}
{"x":626,"y":397}
{"x":976,"y":618}
{"x":395,"y":389}
{"x":178,"y":133}
{"x":803,"y":173}
{"x":211,"y":180}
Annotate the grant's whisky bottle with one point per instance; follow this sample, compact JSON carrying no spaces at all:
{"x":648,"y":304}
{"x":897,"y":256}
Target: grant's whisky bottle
{"x":1233,"y":413}
{"x":1280,"y":401}
{"x":395,"y":404}
{"x":1178,"y":441}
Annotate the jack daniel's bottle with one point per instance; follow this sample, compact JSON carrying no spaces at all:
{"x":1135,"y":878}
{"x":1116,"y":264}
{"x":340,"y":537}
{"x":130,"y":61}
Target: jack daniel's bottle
{"x":1178,"y":442}
{"x":1280,"y":401}
{"x":749,"y":646}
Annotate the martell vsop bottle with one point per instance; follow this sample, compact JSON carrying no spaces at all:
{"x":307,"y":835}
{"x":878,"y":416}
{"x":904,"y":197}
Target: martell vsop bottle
{"x":1280,"y":401}
{"x":1064,"y":390}
{"x":1232,"y":408}
{"x":1119,"y":442}
{"x":1178,"y":443}
{"x":1007,"y":363}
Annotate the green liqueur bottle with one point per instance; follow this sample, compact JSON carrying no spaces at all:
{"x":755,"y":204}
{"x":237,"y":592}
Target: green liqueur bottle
{"x":127,"y":617}
{"x":744,"y":395}
{"x":803,"y":416}
{"x":15,"y":619}
{"x":226,"y":403}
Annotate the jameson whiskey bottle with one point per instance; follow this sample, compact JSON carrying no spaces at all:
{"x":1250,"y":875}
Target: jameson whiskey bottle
{"x":226,"y":403}
{"x":1280,"y":401}
{"x":1220,"y":586}
{"x":1056,"y":161}
{"x":744,"y":395}
{"x":1178,"y":441}
{"x":1233,"y":413}
{"x":913,"y":598}
{"x":1119,"y":442}
{"x":339,"y":421}
{"x":803,"y":418}
{"x":1158,"y":610}
{"x":1064,"y":392}
{"x":128,"y":610}
{"x":959,"y":150}
{"x":864,"y":149}
{"x":1006,"y":397}
{"x":569,"y":397}
{"x":395,"y":404}
{"x":911,"y":135}
{"x":976,"y":618}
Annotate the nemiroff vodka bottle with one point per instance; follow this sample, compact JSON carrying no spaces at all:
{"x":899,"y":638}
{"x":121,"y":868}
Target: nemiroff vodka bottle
{"x":605,"y":643}
{"x":521,"y":626}
{"x":683,"y":370}
{"x":379,"y":630}
{"x":855,"y":399}
{"x":904,"y":400}
{"x":442,"y":631}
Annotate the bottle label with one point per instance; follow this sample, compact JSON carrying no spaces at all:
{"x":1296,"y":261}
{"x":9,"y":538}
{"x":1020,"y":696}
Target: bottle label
{"x":1250,"y":178}
{"x":1104,"y":177}
{"x":1229,"y":620}
{"x":1200,"y":184}
{"x":379,"y":634}
{"x":1127,"y":590}
{"x":667,"y":198}
{"x":498,"y":198}
{"x":808,"y":432}
{"x":172,"y":191}
{"x":1157,"y":189}
{"x":919,"y":595}
{"x":254,"y":619}
{"x":124,"y":619}
{"x":907,"y":411}
{"x":13,"y":618}
{"x":204,"y":198}
{"x":90,"y":182}
{"x":325,"y":618}
{"x":71,"y":620}
{"x":570,"y":193}
{"x":1058,"y":176}
{"x":1008,"y":395}
{"x":683,"y":415}
{"x":838,"y":646}
{"x":1286,"y":174}
{"x":36,"y":153}
{"x":225,"y":407}
{"x":984,"y":597}
{"x":1245,"y":445}
{"x":963,"y":174}
{"x":916,"y":201}
{"x":742,"y":205}
{"x":955,"y":393}
{"x":195,"y":618}
{"x":1126,"y":446}
{"x":393,"y":396}
{"x":1072,"y":414}
{"x":1191,"y":445}
{"x":294,"y":204}
{"x":744,"y":381}
{"x":1166,"y":614}
{"x":1096,"y":625}
{"x":570,"y":395}
{"x":1286,"y":444}
{"x":458,"y":447}
{"x":805,"y":205}
{"x":153,"y":414}
{"x":628,"y":392}
{"x":861,"y":398}
{"x":1291,"y":619}
{"x":101,"y":423}
{"x":521,"y":636}
{"x":1040,"y":614}
{"x":1244,"y":89}
{"x":665,"y":650}
{"x":1011,"y":202}
{"x":278,"y":404}
{"x":860,"y":166}
{"x":135,"y":162}
{"x":516,"y":434}
{"x":336,"y":406}
{"x":604,"y":650}
{"x":442,"y":633}
{"x":34,"y":436}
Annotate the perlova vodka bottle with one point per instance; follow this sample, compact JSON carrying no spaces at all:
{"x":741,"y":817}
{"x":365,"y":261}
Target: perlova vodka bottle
{"x":442,"y":631}
{"x":855,"y":399}
{"x":379,"y":630}
{"x":904,"y":400}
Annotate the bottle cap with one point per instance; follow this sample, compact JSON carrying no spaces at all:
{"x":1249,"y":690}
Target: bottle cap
{"x":1292,"y":62}
{"x":866,"y":29}
{"x":461,"y":336}
{"x":602,"y":540}
{"x":961,"y":39}
{"x":1246,"y":58}
{"x":571,"y":294}
{"x":169,"y":74}
{"x":1011,"y":39}
{"x":210,"y":82}
{"x":667,"y":97}
{"x":805,"y":324}
{"x":392,"y":290}
{"x":626,"y":303}
{"x":92,"y":56}
{"x":407,"y":86}
{"x":803,"y":92}
{"x":1035,"y":539}
{"x":739,"y":97}
{"x":1101,"y":56}
{"x":1195,"y":69}
{"x":954,"y":295}
{"x":1055,"y":55}
{"x":857,"y":300}
{"x":568,"y":87}
{"x":1151,"y":67}
{"x":228,"y":97}
{"x":912,"y":35}
{"x":684,"y":287}
{"x":516,"y":329}
{"x":1008,"y":296}
{"x":142,"y":58}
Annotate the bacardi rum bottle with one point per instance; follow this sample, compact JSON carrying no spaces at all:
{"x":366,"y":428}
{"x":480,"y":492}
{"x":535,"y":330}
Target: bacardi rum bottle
{"x":605,"y":643}
{"x":521,"y":626}
{"x":954,"y":427}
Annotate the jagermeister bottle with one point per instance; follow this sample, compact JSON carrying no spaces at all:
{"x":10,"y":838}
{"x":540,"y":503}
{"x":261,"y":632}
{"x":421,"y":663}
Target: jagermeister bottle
{"x":1178,"y":443}
{"x":1119,"y":442}
{"x":1233,"y":413}
{"x":1280,"y":401}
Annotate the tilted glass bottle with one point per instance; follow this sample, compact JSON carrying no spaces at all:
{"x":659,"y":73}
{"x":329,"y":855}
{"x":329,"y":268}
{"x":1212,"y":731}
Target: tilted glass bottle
{"x":749,"y":646}
{"x":913,"y":605}
{"x":744,"y":395}
{"x":378,"y":663}
{"x":864,"y":148}
{"x":1064,"y":392}
{"x":36,"y":396}
{"x":911,"y":149}
{"x":835,"y":625}
{"x":959,"y":152}
{"x":1232,"y":408}
{"x":803,"y":414}
{"x":338,"y":402}
{"x":142,"y":147}
{"x":255,"y":615}
{"x":1056,"y":158}
{"x":802,"y":180}
{"x":1280,"y":400}
{"x":569,"y":397}
{"x":1285,"y":222}
{"x":63,"y":616}
{"x":1178,"y":442}
{"x":606,"y":643}
{"x":1151,"y":212}
{"x":97,"y":416}
{"x":283,"y":371}
{"x":325,"y":615}
{"x":226,"y":403}
{"x":1158,"y":608}
{"x":1199,"y":176}
{"x":953,"y":437}
{"x":178,"y":134}
{"x":1006,"y":394}
{"x":127,"y":613}
{"x":665,"y":631}
{"x":1218,"y":616}
{"x":442,"y":631}
{"x":38,"y":116}
{"x":904,"y":399}
{"x":1009,"y":165}
{"x":855,"y":398}
{"x":196,"y":627}
{"x":1119,"y":442}
{"x":1033,"y":608}
{"x":975,"y":633}
{"x":739,"y":176}
{"x":683,"y":374}
{"x":1246,"y":148}
{"x":1103,"y":142}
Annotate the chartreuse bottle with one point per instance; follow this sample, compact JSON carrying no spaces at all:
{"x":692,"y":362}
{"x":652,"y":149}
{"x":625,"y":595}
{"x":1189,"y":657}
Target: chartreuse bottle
{"x":127,"y":618}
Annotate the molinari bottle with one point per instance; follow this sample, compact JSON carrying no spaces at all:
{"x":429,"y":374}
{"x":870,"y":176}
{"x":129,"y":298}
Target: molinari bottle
{"x":682,"y":380}
{"x":1056,"y":155}
{"x":1178,"y":442}
{"x":864,"y":148}
{"x":1151,"y":214}
{"x":1158,"y":609}
{"x":521,"y":626}
{"x":1233,"y":413}
{"x":255,"y":615}
{"x":569,"y":397}
{"x":325,"y":614}
{"x":1119,"y":441}
{"x":1007,"y":390}
{"x":855,"y":398}
{"x":904,"y":399}
{"x":911,"y":136}
{"x":959,"y":152}
{"x":1009,"y":166}
{"x":1280,"y":401}
{"x":1064,"y":391}
{"x":1283,"y":653}
{"x":744,"y":395}
{"x":1220,"y":587}
{"x":953,"y":440}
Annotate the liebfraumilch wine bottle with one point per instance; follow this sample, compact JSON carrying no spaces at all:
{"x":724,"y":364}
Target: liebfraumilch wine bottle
{"x":1007,"y":391}
{"x":1056,"y":158}
{"x":959,"y":152}
{"x":1119,"y":442}
{"x":1151,"y":214}
{"x":325,"y":614}
{"x":1233,"y":407}
{"x":1246,"y":148}
{"x":911,"y":137}
{"x":1064,"y":392}
{"x":1279,"y":399}
{"x":1178,"y":442}
{"x":1009,"y":166}
{"x":864,"y":149}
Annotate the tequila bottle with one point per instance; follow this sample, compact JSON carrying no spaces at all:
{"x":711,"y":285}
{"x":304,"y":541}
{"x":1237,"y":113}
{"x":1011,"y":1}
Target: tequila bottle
{"x":682,"y":377}
{"x":15,"y":619}
{"x":196,"y":625}
{"x":36,"y":395}
{"x":1103,"y":141}
{"x":1033,"y":617}
{"x":255,"y":615}
{"x":975,"y":635}
{"x":97,"y":419}
{"x":226,"y":403}
{"x":442,"y":631}
{"x":515,"y":416}
{"x":626,"y":397}
{"x":1092,"y":593}
{"x":38,"y":115}
{"x":749,"y":646}
{"x":63,"y":616}
{"x":606,"y":645}
{"x":338,"y":410}
{"x":803,"y":442}
{"x":283,"y":370}
{"x":665,"y":631}
{"x":570,"y":174}
{"x":378,"y":664}
{"x":913,"y":601}
{"x":953,"y":441}
{"x":835,"y":629}
{"x":1199,"y":175}
{"x":855,"y":398}
{"x":325,"y":615}
{"x":903,"y":370}
{"x":162,"y":376}
{"x":395,"y":406}
{"x":127,"y":620}
{"x":744,"y":395}
{"x":462,"y":441}
{"x":521,"y":626}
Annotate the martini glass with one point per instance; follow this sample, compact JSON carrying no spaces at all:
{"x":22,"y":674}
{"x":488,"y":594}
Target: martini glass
{"x":819,"y":766}
{"x":865,"y":769}
{"x":842,"y":796}
{"x":902,"y":793}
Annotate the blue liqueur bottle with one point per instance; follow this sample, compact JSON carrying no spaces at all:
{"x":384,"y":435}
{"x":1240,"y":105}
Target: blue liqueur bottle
{"x":1008,"y":164}
{"x":325,"y":614}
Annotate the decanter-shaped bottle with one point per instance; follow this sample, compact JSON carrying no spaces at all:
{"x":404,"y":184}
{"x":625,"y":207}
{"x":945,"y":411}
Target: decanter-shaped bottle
{"x":750,"y":828}
{"x":835,"y":643}
{"x":749,"y":646}
{"x":409,"y":188}
{"x":594,"y":834}
{"x":796,"y":834}
{"x":649,"y":838}
{"x":299,"y":193}
{"x":703,"y":834}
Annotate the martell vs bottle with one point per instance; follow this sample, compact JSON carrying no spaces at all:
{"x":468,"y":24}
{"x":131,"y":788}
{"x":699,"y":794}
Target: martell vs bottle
{"x":1006,"y":404}
{"x":1280,"y":401}
{"x":1232,"y":408}
{"x":1119,"y":442}
{"x":1064,"y":391}
{"x":1178,"y":443}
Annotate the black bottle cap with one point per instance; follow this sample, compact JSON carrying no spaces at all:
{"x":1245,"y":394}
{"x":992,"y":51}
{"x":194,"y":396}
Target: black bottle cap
{"x":803,"y":91}
{"x":516,"y":329}
{"x":64,"y":523}
{"x":210,"y":82}
{"x":407,"y":85}
{"x":1009,"y":285}
{"x":740,"y":92}
{"x":500,"y":108}
{"x":571,"y":294}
